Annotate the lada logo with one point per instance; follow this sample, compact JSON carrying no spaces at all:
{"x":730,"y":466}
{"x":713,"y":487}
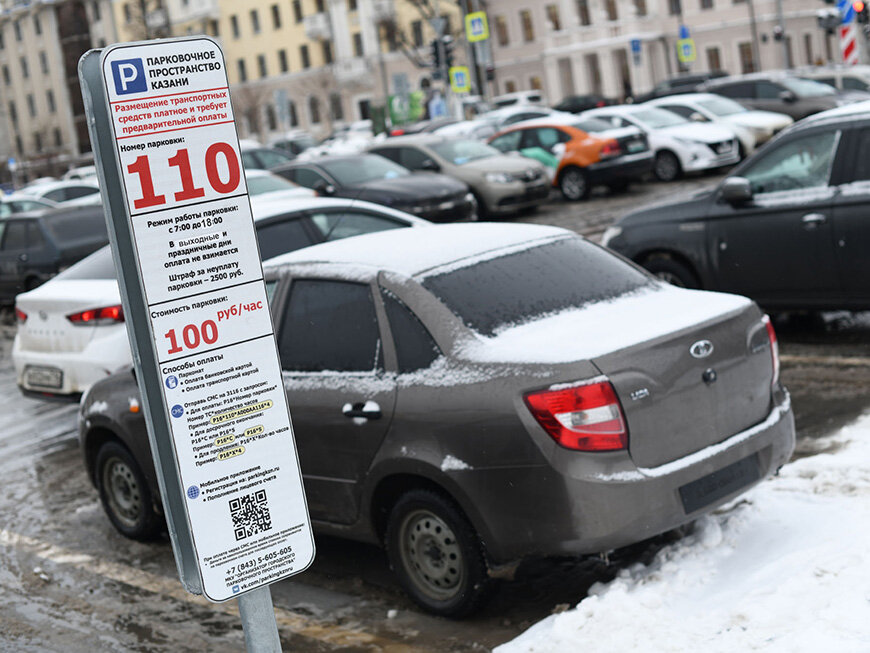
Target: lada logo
{"x":701,"y":349}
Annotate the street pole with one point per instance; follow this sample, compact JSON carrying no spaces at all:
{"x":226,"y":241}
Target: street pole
{"x":780,"y":21}
{"x":438,"y":24}
{"x":753,"y":26}
{"x":258,"y":621}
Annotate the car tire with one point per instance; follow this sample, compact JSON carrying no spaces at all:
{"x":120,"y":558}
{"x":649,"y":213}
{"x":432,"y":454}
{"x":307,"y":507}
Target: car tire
{"x":573,"y":184}
{"x":667,"y":166}
{"x":672,"y":271}
{"x":124,"y":493}
{"x":437,"y":555}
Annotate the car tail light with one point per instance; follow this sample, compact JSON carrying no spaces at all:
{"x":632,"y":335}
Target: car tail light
{"x":774,"y":347}
{"x":397,"y":132}
{"x":600,"y":104}
{"x":20,"y":315}
{"x":584,"y":417}
{"x":98,"y":316}
{"x":610,"y":149}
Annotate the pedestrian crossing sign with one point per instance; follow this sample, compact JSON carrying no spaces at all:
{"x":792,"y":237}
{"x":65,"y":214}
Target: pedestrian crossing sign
{"x":460,"y":81}
{"x":686,"y":50}
{"x":476,"y":27}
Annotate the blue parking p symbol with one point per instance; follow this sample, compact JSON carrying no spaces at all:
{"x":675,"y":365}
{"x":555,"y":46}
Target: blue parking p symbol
{"x":129,"y":76}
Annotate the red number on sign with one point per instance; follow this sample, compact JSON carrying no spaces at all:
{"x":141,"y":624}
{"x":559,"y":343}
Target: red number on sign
{"x":192,"y":335}
{"x":181,"y":160}
{"x":142,"y":168}
{"x":214,"y":179}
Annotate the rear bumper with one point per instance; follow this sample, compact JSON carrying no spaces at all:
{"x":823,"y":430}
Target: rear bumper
{"x":625,"y":168}
{"x":509,"y":198}
{"x":449,"y":211}
{"x":590,"y":503}
{"x":79,"y":370}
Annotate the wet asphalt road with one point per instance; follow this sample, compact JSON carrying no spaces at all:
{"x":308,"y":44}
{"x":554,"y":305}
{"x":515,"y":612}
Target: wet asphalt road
{"x":70,"y":583}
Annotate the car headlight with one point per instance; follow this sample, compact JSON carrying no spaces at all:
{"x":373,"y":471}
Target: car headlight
{"x":609,"y":234}
{"x":498,"y":178}
{"x":688,"y":142}
{"x":760,"y":131}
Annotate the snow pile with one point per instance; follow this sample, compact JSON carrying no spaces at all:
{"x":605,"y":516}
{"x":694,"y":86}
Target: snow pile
{"x":784,"y":569}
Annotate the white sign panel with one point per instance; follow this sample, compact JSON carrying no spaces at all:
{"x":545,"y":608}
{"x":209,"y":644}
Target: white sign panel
{"x":200,"y":269}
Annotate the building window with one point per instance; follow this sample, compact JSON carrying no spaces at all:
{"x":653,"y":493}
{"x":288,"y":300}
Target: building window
{"x":37,"y":24}
{"x":553,"y":17}
{"x":706,"y":4}
{"x":261,"y":65}
{"x":37,"y":140}
{"x":215,"y":29}
{"x":640,"y":7}
{"x":306,"y":59}
{"x":501,"y":31}
{"x":528,"y":28}
{"x":314,"y":110}
{"x":747,"y":60}
{"x":583,"y":12}
{"x":49,"y":99}
{"x":25,"y":70}
{"x":2,"y":44}
{"x":43,"y":62}
{"x":16,"y":26}
{"x":13,"y":113}
{"x":276,"y":17}
{"x":714,"y":59}
{"x":335,"y":107}
{"x":243,"y":73}
{"x":271,"y":118}
{"x":297,"y":10}
{"x":58,"y":137}
{"x":808,"y":49}
{"x":31,"y":105}
{"x":282,"y":61}
{"x":448,"y":28}
{"x":357,"y":44}
{"x":255,"y":21}
{"x":535,"y":83}
{"x":128,"y":16}
{"x":593,"y":73}
{"x":318,"y":6}
{"x":510,"y":86}
{"x":291,"y":113}
{"x":365,"y":109}
{"x":327,"y":51}
{"x":96,"y":9}
{"x":6,"y":78}
{"x":351,"y":5}
{"x":417,"y":32}
{"x":675,"y":7}
{"x":610,"y":9}
{"x":19,"y":146}
{"x":234,"y":26}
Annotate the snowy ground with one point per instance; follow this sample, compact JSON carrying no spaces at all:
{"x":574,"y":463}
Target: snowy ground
{"x":784,"y":569}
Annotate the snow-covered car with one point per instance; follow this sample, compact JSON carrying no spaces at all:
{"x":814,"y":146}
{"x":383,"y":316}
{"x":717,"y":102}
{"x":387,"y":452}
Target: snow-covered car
{"x":81,"y":172}
{"x":679,"y":145}
{"x":501,"y":118}
{"x":478,"y":129}
{"x":71,"y":330}
{"x":518,"y":97}
{"x":63,"y":190}
{"x":258,"y":157}
{"x":23,"y":203}
{"x":752,"y":127}
{"x":264,"y":186}
{"x":489,"y":393}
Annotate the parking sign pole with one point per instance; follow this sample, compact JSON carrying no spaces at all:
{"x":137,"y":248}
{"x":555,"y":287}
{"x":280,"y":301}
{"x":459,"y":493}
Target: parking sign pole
{"x":258,"y":620}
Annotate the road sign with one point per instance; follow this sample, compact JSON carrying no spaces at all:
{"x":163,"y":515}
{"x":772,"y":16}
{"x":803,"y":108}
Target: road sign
{"x":460,"y":80}
{"x":180,"y":223}
{"x":476,"y":27}
{"x":684,"y":32}
{"x":686,"y":50}
{"x":635,"y":51}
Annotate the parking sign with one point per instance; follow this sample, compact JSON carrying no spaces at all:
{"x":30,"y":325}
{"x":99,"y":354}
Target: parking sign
{"x":476,"y":27}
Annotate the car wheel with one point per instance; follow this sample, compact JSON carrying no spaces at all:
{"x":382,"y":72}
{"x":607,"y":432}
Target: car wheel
{"x":667,"y":166}
{"x":672,"y":271}
{"x":436,"y":554}
{"x":573,"y":184}
{"x":124,"y":493}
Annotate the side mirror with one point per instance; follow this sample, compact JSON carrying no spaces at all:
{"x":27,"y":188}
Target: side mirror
{"x":736,"y":191}
{"x":323,"y":188}
{"x":788,"y":96}
{"x":429,"y":164}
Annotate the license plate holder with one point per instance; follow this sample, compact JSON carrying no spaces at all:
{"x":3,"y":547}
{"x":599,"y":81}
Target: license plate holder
{"x":712,"y":487}
{"x":635,"y":146}
{"x":44,"y":377}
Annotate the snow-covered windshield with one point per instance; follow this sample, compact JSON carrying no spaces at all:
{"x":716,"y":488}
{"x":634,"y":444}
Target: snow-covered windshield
{"x":807,"y":87}
{"x":461,"y":152}
{"x":359,"y":170}
{"x":523,"y":285}
{"x":653,"y":118}
{"x":722,"y":106}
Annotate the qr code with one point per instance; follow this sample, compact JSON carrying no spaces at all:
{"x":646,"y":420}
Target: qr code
{"x":250,"y":514}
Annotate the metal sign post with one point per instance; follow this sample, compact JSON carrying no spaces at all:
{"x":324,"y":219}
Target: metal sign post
{"x":194,"y":297}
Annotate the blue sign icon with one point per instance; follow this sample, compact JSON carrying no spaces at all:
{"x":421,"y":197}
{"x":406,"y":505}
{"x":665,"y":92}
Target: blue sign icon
{"x":192,"y":492}
{"x":477,"y":26}
{"x":235,"y":589}
{"x":129,"y":76}
{"x":684,"y":32}
{"x":177,"y":410}
{"x":172,"y":382}
{"x":635,"y":45}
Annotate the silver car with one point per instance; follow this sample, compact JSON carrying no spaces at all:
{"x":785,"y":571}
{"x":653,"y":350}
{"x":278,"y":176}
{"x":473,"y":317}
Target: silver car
{"x":471,"y":395}
{"x":501,"y":183}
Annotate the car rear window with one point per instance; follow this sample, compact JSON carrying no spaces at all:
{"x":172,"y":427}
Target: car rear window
{"x":524,"y":285}
{"x":77,"y":227}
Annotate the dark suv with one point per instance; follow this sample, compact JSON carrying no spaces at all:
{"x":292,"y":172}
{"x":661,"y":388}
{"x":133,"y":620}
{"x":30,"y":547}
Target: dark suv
{"x":776,"y":91}
{"x":677,"y":85}
{"x":36,"y":246}
{"x":787,"y":228}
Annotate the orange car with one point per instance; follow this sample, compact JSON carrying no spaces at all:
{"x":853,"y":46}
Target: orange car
{"x":580,"y":152}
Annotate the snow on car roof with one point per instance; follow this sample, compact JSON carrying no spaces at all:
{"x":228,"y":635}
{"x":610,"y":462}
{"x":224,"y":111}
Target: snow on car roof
{"x":412,"y":252}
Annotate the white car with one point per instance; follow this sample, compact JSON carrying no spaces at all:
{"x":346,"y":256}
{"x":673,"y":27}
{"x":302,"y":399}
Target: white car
{"x":753,"y":128}
{"x":22,"y":203}
{"x":63,"y":190}
{"x":263,"y":186}
{"x":82,"y":172}
{"x":518,"y":97}
{"x":679,"y":145}
{"x":476,"y":129}
{"x":501,"y":118}
{"x":71,"y":329}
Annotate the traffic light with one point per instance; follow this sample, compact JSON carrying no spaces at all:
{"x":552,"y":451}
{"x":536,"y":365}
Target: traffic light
{"x":436,"y":54}
{"x":861,"y":13}
{"x":448,"y":50}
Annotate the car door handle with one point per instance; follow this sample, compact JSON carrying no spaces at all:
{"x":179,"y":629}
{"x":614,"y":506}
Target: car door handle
{"x":367,"y":410}
{"x":22,"y":257}
{"x":812,"y":220}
